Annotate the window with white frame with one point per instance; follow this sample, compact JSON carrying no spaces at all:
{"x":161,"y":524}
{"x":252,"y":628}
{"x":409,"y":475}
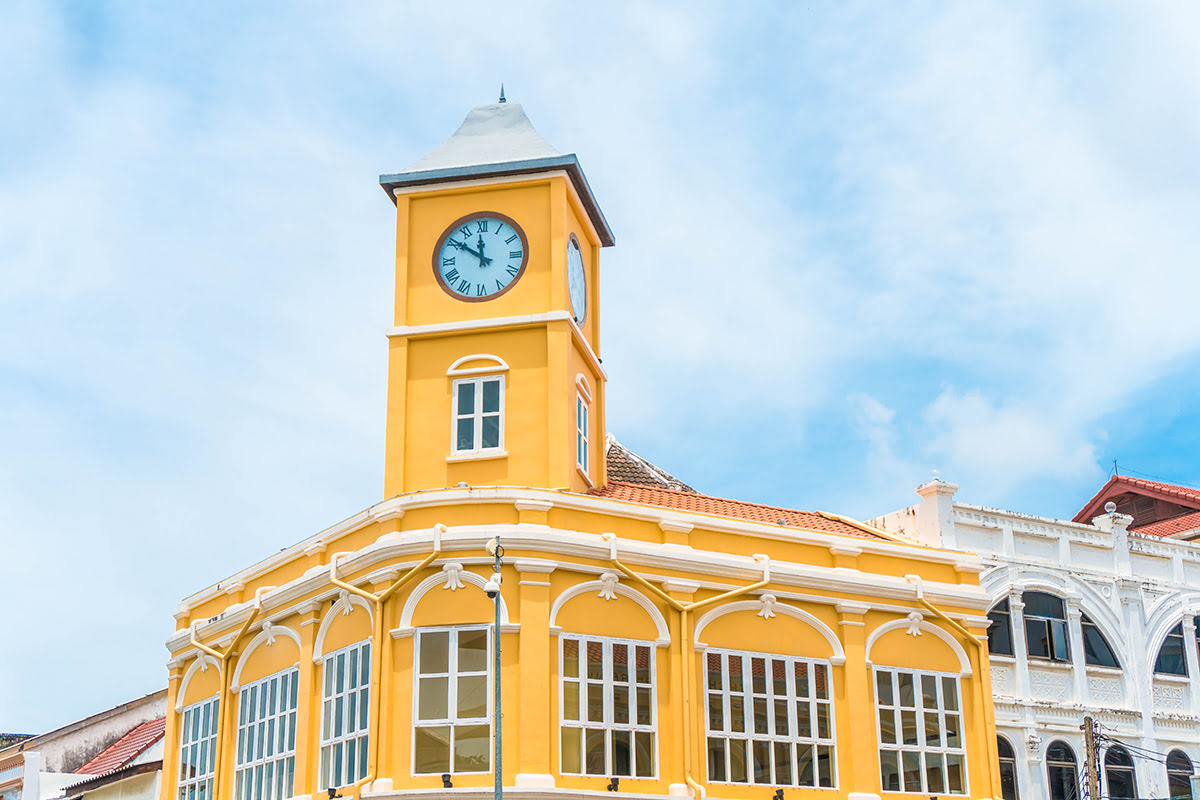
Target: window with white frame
{"x":197,"y":744}
{"x":266,"y":739}
{"x":478,"y":415}
{"x":920,"y":732}
{"x":607,"y":701}
{"x":770,"y":720}
{"x":581,"y":433}
{"x":452,"y":729}
{"x":345,"y":716}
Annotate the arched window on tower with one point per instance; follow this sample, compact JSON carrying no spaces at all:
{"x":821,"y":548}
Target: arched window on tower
{"x":1179,"y":775}
{"x":1045,"y":626}
{"x":1171,"y":659}
{"x":1008,"y":769}
{"x":1000,"y":641}
{"x":1096,"y":650}
{"x":1060,"y":769}
{"x":1118,"y":774}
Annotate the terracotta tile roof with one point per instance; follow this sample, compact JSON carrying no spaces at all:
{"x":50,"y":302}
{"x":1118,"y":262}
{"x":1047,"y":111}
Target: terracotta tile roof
{"x":125,"y":749}
{"x":628,"y":467}
{"x":1170,"y":527}
{"x":736,"y":509}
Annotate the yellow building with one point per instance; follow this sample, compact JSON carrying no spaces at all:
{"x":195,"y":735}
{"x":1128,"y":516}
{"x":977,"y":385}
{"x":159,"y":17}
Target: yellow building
{"x":653,"y":640}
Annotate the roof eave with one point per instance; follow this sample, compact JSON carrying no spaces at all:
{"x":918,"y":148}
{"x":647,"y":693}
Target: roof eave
{"x":568,"y":162}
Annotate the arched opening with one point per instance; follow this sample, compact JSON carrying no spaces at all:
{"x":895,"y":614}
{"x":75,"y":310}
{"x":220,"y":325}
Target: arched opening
{"x":1060,"y":769}
{"x":1171,"y":659}
{"x":1008,"y":769}
{"x":1000,"y":641}
{"x":1179,"y":775}
{"x":1096,"y":650}
{"x":1118,"y":774}
{"x":1046,"y":626}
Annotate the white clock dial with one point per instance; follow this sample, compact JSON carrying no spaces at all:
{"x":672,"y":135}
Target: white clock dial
{"x":480,"y":256}
{"x":576,"y":281}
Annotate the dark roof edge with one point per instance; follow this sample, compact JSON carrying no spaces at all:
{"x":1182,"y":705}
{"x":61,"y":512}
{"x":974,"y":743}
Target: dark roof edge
{"x":112,"y":776}
{"x":569,"y":162}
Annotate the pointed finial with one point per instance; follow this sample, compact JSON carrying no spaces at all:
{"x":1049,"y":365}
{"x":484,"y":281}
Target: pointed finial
{"x":502,"y":100}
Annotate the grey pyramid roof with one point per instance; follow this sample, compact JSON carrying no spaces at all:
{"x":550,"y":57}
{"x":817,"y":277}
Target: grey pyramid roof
{"x":497,"y":140}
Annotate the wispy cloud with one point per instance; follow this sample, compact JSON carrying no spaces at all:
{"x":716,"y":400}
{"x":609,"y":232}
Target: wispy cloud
{"x":854,"y":245}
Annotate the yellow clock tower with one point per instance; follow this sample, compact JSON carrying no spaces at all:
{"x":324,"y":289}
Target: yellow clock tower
{"x":498,"y":239}
{"x":534,"y":611}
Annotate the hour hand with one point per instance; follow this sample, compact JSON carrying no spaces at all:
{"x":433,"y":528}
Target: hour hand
{"x":462,"y":246}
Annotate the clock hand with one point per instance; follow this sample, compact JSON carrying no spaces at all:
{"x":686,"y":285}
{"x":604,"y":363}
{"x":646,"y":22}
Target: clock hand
{"x":461,"y":246}
{"x":483,"y":260}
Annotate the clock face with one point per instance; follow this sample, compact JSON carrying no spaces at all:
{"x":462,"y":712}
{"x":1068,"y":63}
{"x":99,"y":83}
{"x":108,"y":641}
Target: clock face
{"x":576,"y":280}
{"x":480,"y":256}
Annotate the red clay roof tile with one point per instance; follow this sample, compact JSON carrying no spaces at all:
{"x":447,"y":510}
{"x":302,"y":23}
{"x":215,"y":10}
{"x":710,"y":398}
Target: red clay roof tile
{"x":1170,"y":527}
{"x":125,"y":749}
{"x":736,"y":509}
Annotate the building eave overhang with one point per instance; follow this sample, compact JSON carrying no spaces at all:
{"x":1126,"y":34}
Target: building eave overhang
{"x":568,"y":162}
{"x":1118,"y":485}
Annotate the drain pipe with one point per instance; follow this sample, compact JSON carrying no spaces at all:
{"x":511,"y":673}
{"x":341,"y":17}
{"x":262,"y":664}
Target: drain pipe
{"x":223,"y":692}
{"x":982,"y":706}
{"x":377,"y":650}
{"x":687,"y":645}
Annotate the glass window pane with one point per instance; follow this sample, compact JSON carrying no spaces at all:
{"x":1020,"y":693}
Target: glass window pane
{"x":466,"y":398}
{"x":472,"y":651}
{"x":622,"y":754}
{"x":887,"y":726}
{"x":643,"y":656}
{"x":570,"y":751}
{"x":889,"y":770}
{"x":570,"y":700}
{"x":620,"y":662}
{"x":465,"y":434}
{"x":911,"y":763}
{"x":907,"y":698}
{"x":435,"y":652}
{"x":783,"y":763}
{"x":620,"y":704}
{"x":737,"y":761}
{"x":806,"y":774}
{"x":645,"y":710}
{"x":716,"y":759}
{"x":491,"y":396}
{"x":471,"y":748}
{"x":491,"y":432}
{"x":434,"y":698}
{"x":716,"y":712}
{"x":432,"y":753}
{"x":824,"y":766}
{"x":595,"y":702}
{"x":950,"y":694}
{"x":761,"y":753}
{"x":644,"y":753}
{"x":472,"y":696}
{"x":593,"y":752}
{"x":934,"y":773}
{"x":570,"y":658}
{"x":883,"y":688}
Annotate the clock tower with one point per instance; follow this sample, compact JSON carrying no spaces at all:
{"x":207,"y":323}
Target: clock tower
{"x":494,"y":375}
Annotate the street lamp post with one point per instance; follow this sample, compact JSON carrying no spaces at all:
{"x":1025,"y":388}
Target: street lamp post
{"x":493,"y":587}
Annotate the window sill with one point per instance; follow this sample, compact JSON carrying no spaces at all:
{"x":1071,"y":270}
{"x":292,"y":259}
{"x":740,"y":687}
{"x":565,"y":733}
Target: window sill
{"x":1162,"y":676}
{"x":586,"y":478}
{"x":482,"y":455}
{"x":996,"y":657}
{"x":1095,"y":669}
{"x":1036,"y":661}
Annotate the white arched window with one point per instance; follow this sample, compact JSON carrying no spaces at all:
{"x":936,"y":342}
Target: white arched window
{"x":477,"y":406}
{"x":1120,"y":783}
{"x":1061,"y":771}
{"x":1179,"y":775}
{"x":1008,"y":769}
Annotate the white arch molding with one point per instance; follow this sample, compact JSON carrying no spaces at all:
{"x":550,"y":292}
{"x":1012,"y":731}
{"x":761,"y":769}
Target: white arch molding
{"x":584,"y":387}
{"x":200,"y":664}
{"x":343,"y":605}
{"x":925,"y":627}
{"x":267,"y":636}
{"x":498,"y":364}
{"x":839,"y":654}
{"x":439,"y":579}
{"x":1000,"y":584}
{"x":660,"y":624}
{"x":1166,"y":614}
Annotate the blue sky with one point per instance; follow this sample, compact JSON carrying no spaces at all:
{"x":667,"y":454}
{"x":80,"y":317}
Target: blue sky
{"x":855,"y":245}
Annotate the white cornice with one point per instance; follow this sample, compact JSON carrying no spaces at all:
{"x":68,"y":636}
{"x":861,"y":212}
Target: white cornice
{"x":494,"y":323}
{"x":707,"y":569}
{"x":418,"y":542}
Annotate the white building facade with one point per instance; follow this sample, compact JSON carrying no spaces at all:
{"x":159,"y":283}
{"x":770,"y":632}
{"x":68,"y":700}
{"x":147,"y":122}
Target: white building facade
{"x":1087,"y":620}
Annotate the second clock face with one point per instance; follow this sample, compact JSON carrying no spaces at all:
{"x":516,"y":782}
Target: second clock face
{"x":480,"y":256}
